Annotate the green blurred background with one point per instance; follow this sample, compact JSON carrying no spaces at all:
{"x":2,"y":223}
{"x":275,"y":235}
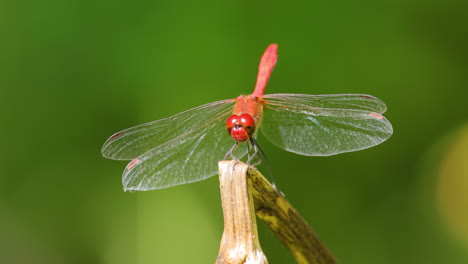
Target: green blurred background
{"x":74,"y":72}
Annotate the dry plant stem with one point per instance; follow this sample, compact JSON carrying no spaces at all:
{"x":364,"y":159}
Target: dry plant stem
{"x":239,"y":243}
{"x":239,"y":184}
{"x":285,"y":222}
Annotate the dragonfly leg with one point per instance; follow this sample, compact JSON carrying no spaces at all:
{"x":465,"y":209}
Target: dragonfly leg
{"x":230,"y":151}
{"x":257,"y":153}
{"x":261,"y":156}
{"x":249,"y":155}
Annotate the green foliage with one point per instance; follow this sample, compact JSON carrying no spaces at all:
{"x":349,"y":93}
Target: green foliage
{"x":74,"y":72}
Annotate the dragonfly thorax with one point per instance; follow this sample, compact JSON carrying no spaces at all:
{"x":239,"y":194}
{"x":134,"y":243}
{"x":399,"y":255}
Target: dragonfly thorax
{"x":240,"y":127}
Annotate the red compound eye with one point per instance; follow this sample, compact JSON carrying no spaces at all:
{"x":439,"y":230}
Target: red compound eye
{"x":247,"y":120}
{"x":231,"y":122}
{"x":240,"y":127}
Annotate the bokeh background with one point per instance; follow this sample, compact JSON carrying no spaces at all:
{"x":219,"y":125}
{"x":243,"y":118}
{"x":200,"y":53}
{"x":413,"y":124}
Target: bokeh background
{"x":74,"y":72}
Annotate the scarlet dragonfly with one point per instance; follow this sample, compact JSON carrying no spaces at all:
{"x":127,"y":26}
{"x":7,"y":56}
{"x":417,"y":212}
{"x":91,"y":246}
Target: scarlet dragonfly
{"x":185,"y":147}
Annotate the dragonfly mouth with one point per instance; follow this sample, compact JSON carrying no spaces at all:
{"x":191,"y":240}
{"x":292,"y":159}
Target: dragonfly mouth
{"x":239,"y":134}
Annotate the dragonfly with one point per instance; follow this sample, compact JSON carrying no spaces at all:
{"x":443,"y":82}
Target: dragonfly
{"x":185,"y":148}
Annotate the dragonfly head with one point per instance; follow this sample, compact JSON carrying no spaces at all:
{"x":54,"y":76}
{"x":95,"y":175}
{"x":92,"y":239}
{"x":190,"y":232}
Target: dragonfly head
{"x":240,"y":127}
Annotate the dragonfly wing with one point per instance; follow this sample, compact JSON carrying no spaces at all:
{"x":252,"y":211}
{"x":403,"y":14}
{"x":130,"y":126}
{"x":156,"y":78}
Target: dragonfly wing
{"x":187,"y":158}
{"x":132,"y":142}
{"x":335,"y":101}
{"x":324,"y":125}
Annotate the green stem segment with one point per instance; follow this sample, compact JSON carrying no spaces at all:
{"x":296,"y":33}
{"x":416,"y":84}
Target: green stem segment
{"x":272,"y":208}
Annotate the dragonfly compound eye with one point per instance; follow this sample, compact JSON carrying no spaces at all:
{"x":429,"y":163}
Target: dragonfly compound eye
{"x":231,"y":122}
{"x":248,"y":123}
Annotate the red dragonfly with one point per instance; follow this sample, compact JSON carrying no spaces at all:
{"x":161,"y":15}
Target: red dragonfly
{"x":185,"y":147}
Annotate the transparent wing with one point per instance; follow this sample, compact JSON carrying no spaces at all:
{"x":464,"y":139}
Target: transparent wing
{"x":335,"y":101}
{"x":323,"y":125}
{"x":187,"y":158}
{"x":132,"y":142}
